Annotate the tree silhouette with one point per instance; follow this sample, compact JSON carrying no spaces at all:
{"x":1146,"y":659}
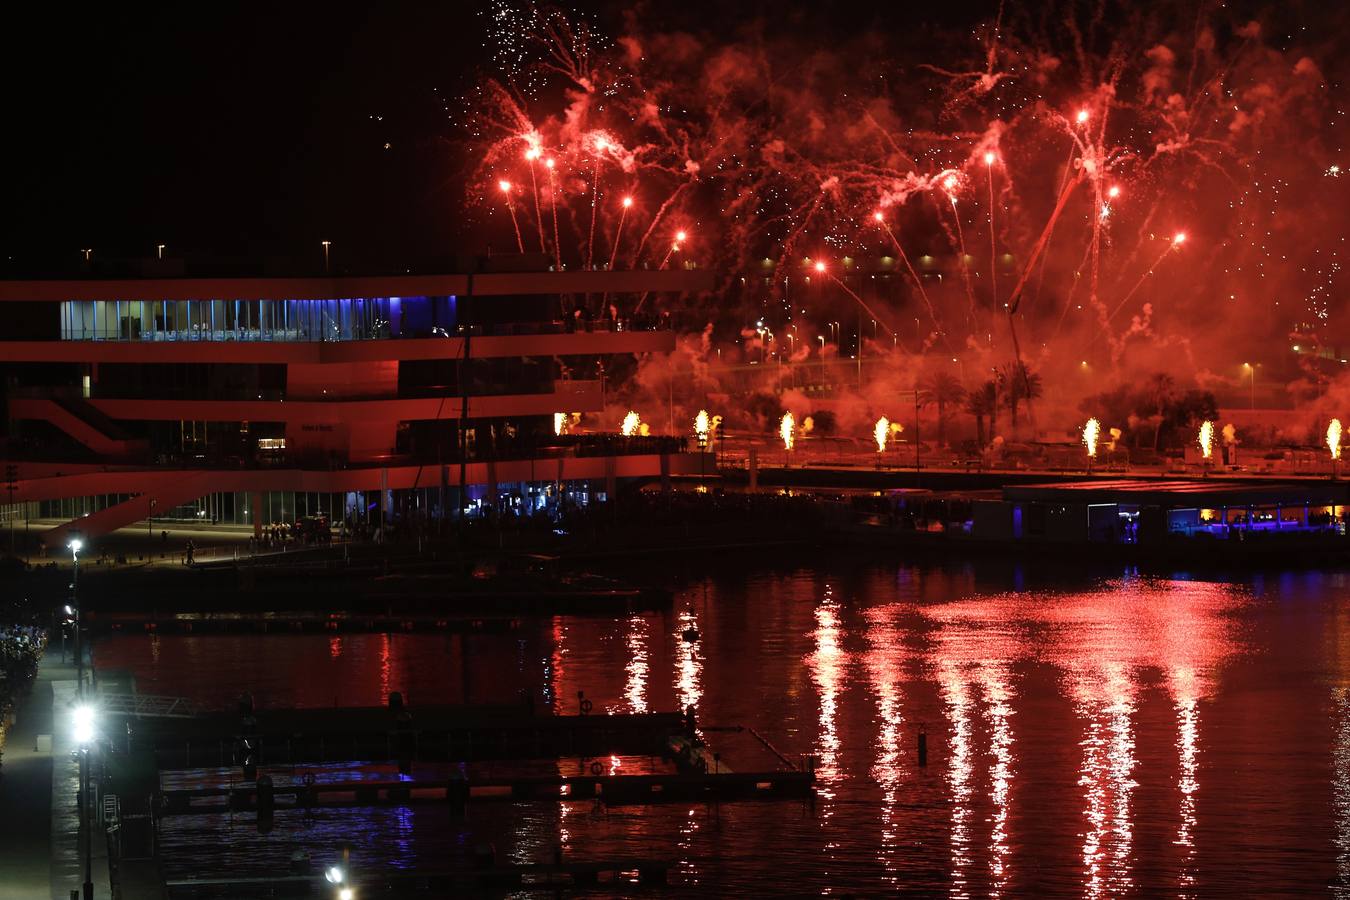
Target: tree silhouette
{"x":981,"y":402}
{"x":941,"y":389}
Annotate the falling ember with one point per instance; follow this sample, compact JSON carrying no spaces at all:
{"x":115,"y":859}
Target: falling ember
{"x":785,"y":429}
{"x":881,"y":431}
{"x":632,"y":424}
{"x":1334,"y":438}
{"x":1091,"y":430}
{"x":1207,"y":438}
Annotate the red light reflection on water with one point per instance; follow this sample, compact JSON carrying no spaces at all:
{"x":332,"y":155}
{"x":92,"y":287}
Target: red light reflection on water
{"x":826,"y":665}
{"x":636,"y":670}
{"x":688,"y":664}
{"x":1102,"y":642}
{"x":885,"y":661}
{"x":973,"y":649}
{"x":1340,"y":698}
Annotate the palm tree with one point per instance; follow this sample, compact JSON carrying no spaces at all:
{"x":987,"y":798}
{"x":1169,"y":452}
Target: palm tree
{"x":1161,"y":391}
{"x":941,"y":389}
{"x":1019,"y":383}
{"x":981,"y":402}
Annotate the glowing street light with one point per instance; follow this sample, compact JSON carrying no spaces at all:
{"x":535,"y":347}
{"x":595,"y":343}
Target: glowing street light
{"x":82,"y":723}
{"x":335,"y":875}
{"x":83,"y":731}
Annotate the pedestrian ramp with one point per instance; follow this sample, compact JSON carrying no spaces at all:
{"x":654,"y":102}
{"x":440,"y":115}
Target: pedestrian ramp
{"x":166,"y":494}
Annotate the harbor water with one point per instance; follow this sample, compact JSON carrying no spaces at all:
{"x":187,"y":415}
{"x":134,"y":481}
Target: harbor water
{"x":1089,"y":733}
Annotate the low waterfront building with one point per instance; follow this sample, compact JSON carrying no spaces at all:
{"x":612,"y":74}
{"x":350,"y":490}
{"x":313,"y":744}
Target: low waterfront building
{"x":253,"y":401}
{"x":1145,"y":511}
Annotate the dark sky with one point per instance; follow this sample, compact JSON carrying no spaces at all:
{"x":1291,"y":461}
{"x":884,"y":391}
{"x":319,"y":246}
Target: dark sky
{"x":249,"y":134}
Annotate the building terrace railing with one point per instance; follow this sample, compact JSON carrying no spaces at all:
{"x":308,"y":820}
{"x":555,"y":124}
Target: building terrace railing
{"x":311,"y":321}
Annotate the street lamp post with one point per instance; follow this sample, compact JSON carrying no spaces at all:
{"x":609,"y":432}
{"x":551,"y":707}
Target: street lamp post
{"x":75,"y":546}
{"x":1251,"y":370}
{"x":84,"y":735}
{"x":325,"y":255}
{"x":84,"y":724}
{"x":150,"y":525}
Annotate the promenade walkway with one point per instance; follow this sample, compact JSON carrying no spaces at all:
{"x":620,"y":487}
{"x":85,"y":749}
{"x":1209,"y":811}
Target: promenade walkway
{"x":27,"y":864}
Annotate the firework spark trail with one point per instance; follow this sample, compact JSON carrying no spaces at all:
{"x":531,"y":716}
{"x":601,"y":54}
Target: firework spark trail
{"x":674,"y":248}
{"x":553,"y":202}
{"x":656,"y":219}
{"x":961,"y":248}
{"x":511,"y":208}
{"x":918,"y":282}
{"x":993,"y":245}
{"x":848,"y":290}
{"x":1015,"y":298}
{"x":595,"y":204}
{"x":533,"y":154}
{"x":1063,"y":181}
{"x":1106,"y":322}
{"x":618,"y":232}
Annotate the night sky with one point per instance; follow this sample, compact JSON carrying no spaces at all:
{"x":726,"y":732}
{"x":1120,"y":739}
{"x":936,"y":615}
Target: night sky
{"x":250,"y":134}
{"x":260,"y":131}
{"x":255,"y":133}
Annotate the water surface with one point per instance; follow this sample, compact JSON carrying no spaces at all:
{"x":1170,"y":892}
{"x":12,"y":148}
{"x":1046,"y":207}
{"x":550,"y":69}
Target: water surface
{"x":1089,"y":734}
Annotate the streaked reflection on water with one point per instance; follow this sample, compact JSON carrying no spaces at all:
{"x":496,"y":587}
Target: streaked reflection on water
{"x":1086,"y":737}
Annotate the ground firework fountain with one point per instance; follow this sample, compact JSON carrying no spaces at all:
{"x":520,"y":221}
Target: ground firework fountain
{"x":1334,"y":445}
{"x":1091,"y":431}
{"x":1206,"y":442}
